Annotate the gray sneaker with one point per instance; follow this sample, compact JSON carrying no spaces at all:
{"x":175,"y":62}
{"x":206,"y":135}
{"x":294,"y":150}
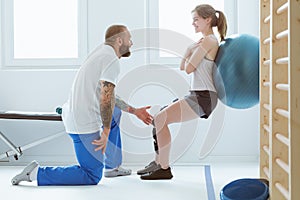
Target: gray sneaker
{"x":149,"y":168}
{"x":25,"y":174}
{"x":117,"y":172}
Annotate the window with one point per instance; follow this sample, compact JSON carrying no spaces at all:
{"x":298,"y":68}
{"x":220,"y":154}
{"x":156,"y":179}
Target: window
{"x":174,"y":31}
{"x":44,"y":32}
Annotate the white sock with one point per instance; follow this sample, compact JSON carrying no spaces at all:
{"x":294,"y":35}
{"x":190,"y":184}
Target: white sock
{"x":33,"y":174}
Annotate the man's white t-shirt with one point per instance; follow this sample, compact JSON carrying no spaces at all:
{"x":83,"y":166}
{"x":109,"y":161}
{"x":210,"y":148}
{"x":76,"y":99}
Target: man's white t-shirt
{"x":81,"y":113}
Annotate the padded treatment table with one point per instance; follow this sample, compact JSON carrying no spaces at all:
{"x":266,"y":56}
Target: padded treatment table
{"x":17,"y":115}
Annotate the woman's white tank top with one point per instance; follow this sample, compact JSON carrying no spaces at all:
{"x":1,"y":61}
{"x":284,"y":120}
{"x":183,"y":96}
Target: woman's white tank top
{"x":202,"y":77}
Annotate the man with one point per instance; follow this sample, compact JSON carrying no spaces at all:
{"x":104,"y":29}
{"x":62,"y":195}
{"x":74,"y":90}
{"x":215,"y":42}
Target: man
{"x":91,"y":106}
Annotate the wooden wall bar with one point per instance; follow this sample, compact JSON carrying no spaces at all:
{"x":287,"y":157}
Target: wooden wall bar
{"x":280,"y":97}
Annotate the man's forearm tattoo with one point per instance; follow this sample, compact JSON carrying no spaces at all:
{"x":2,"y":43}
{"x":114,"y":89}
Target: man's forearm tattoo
{"x":107,"y":102}
{"x":123,"y":105}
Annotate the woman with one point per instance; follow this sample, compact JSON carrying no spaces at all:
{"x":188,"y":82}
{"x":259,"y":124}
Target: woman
{"x":199,"y":62}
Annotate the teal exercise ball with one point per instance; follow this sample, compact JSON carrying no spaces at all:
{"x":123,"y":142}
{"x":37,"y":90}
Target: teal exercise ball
{"x":236,"y":75}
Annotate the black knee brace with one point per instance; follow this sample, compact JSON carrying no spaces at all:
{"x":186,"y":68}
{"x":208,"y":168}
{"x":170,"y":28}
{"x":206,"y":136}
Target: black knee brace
{"x":154,"y":139}
{"x":154,"y":132}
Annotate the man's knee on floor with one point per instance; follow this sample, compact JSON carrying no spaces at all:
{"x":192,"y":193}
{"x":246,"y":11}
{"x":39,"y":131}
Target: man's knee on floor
{"x":93,"y":178}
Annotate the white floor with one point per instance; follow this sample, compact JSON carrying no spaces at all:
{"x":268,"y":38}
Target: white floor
{"x":189,"y":183}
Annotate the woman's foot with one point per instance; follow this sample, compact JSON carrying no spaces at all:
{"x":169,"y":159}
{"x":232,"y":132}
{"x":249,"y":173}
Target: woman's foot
{"x":160,"y":174}
{"x":153,"y":166}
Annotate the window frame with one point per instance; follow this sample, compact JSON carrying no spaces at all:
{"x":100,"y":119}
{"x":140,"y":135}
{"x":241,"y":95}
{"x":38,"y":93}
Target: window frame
{"x":7,"y":39}
{"x":230,"y":9}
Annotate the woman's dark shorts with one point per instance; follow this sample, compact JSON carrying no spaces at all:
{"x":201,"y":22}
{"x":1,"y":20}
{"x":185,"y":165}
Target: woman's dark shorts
{"x":202,"y":102}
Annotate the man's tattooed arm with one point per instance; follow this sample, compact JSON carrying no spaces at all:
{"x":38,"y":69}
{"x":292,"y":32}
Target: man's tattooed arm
{"x":124,"y":106}
{"x":140,"y":113}
{"x":107,"y":102}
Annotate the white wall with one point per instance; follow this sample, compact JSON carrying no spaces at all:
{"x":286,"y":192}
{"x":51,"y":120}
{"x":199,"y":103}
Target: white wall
{"x":236,"y":131}
{"x":248,"y":17}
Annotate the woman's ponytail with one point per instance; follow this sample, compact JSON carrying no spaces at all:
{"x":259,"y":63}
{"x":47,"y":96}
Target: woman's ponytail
{"x":221,"y":24}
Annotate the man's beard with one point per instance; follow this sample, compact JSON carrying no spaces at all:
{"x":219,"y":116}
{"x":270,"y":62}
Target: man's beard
{"x":124,"y":51}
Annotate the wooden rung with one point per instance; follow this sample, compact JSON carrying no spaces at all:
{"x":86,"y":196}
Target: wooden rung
{"x":282,"y":61}
{"x":281,"y":86}
{"x":267,"y":19}
{"x":266,"y":84}
{"x":283,"y":165}
{"x":283,"y":139}
{"x":267,"y":106}
{"x":282,"y":8}
{"x":267,"y":172}
{"x":267,"y":41}
{"x":282,"y":34}
{"x":267,"y":62}
{"x":266,"y":149}
{"x":267,"y":128}
{"x":283,"y":113}
{"x":282,"y":190}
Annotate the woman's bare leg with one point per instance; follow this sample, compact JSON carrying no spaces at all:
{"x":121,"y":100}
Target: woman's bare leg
{"x":179,"y":111}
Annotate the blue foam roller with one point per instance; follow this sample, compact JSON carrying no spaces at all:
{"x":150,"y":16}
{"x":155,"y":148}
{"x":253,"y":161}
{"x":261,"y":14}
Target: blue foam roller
{"x":58,"y":110}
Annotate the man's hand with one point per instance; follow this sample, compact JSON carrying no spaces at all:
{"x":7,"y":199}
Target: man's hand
{"x":102,"y":142}
{"x":143,"y":115}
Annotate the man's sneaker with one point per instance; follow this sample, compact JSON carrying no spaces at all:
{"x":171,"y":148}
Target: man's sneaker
{"x":25,"y":174}
{"x":117,"y":172}
{"x":149,"y":168}
{"x":158,"y":174}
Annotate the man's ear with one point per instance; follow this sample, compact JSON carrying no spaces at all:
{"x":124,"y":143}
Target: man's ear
{"x":119,"y":41}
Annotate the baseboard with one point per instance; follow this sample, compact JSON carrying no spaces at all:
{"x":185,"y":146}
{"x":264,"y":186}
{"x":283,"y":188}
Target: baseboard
{"x":71,"y":159}
{"x":207,"y":161}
